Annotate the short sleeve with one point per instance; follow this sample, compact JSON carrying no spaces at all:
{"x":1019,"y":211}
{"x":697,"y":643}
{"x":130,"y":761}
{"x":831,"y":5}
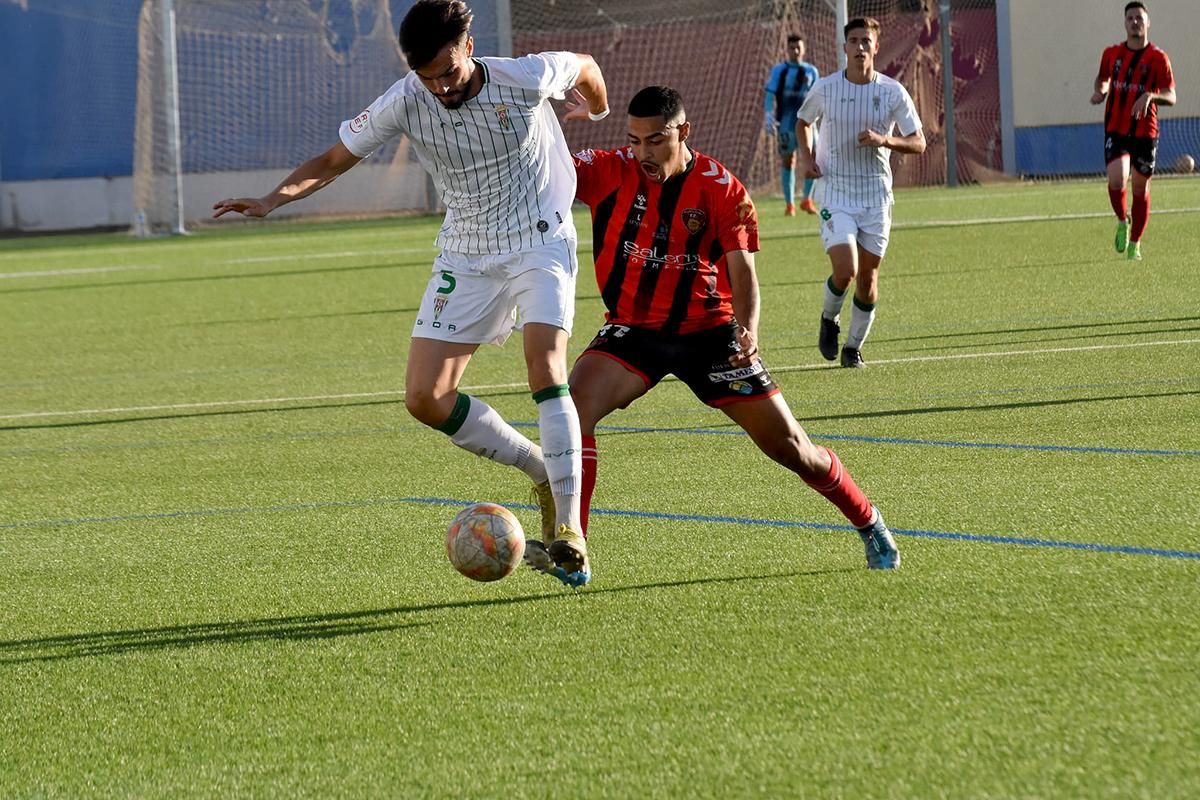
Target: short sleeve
{"x":905,"y":112}
{"x":737,"y":219}
{"x":1165,"y":79}
{"x":814,"y":105}
{"x":550,"y":74}
{"x":1105,"y":64}
{"x":598,"y":173}
{"x":379,"y":122}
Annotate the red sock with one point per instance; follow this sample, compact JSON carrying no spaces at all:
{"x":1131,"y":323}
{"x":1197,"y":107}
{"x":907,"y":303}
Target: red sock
{"x":589,"y":480}
{"x":1141,"y":215}
{"x":1117,"y":198}
{"x":840,"y":489}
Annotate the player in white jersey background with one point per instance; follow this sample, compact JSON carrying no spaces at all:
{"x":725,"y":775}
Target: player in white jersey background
{"x":484,"y":130}
{"x":857,"y":113}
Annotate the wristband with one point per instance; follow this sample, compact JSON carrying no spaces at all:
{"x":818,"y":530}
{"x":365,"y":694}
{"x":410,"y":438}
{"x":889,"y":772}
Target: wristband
{"x":598,"y":117}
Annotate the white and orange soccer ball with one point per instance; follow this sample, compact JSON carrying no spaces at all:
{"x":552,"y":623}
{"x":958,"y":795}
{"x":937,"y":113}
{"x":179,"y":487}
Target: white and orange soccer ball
{"x":485,"y":542}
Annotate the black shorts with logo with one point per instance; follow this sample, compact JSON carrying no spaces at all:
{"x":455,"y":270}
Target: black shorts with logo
{"x":701,"y":360}
{"x":1142,"y":151}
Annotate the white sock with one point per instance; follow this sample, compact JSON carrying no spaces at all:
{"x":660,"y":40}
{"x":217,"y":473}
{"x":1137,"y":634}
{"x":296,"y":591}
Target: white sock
{"x":478,"y":428}
{"x":861,"y":317}
{"x":562,"y":453}
{"x":833,"y":301}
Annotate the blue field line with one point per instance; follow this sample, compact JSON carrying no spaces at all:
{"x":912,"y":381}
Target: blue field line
{"x":1121,"y":451}
{"x":1027,"y":541}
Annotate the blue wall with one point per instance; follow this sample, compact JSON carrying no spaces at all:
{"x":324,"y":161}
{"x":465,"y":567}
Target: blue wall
{"x":70,"y":113}
{"x":68,"y":87}
{"x":1079,"y":149}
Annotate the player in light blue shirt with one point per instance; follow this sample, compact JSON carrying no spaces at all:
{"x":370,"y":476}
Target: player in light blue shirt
{"x":787,"y":86}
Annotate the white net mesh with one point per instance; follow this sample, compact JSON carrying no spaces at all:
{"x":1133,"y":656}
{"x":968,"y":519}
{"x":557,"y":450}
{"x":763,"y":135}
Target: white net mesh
{"x":717,"y":53}
{"x":262,"y":87}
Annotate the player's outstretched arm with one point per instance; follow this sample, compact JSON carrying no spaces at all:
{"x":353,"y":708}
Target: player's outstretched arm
{"x":305,"y":179}
{"x":743,"y":281}
{"x":592,"y":100}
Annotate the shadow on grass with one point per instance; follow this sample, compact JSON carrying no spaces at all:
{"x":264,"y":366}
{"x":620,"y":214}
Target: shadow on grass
{"x":308,"y":626}
{"x":231,"y":412}
{"x":283,"y":273}
{"x":904,"y":412}
{"x":1043,"y":328}
{"x":203,"y":323}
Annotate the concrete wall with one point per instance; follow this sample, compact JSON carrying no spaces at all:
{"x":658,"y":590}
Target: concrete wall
{"x":1054,"y":58}
{"x":1056,"y":55}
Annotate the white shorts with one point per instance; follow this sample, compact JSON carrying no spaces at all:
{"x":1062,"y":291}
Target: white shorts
{"x":481,"y":299}
{"x":869,"y":227}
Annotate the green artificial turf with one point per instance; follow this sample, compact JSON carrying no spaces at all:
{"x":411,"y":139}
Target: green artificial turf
{"x":221,"y":535}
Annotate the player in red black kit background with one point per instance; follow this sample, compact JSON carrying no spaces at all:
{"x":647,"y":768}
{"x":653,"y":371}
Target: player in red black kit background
{"x":1135,"y":77}
{"x":674,"y":240}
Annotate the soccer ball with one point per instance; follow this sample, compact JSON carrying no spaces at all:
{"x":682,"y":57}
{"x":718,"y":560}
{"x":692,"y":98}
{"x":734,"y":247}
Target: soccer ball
{"x":1185,"y":163}
{"x":485,"y":542}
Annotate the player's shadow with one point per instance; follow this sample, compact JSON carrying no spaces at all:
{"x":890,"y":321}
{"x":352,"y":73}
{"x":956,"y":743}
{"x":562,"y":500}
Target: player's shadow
{"x":721,"y":427}
{"x":232,"y":412}
{"x":290,"y":317}
{"x":1039,"y":329}
{"x":237,"y":276}
{"x":308,"y":626}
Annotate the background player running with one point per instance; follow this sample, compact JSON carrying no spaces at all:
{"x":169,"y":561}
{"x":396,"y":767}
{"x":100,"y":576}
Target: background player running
{"x":858,"y":110}
{"x":1135,"y":77}
{"x":674,"y":240}
{"x":787,"y":86}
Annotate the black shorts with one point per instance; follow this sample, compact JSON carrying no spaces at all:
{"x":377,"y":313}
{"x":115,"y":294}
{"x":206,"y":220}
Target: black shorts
{"x":1142,"y":150}
{"x":701,"y":360}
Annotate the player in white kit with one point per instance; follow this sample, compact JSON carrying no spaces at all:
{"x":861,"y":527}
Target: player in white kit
{"x":483,"y":129}
{"x":857,"y":112}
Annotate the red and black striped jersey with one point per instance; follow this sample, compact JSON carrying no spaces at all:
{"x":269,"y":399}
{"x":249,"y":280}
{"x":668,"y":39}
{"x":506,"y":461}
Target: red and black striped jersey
{"x":1132,"y":73}
{"x":660,"y":247}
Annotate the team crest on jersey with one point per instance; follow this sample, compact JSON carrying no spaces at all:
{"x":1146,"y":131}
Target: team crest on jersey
{"x":875,"y":102}
{"x":439,"y":305}
{"x":502,"y":116}
{"x":358,"y":123}
{"x":694,"y":219}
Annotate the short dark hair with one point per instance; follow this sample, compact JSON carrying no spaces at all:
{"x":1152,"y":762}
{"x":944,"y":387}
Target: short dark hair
{"x":870,"y":23}
{"x":794,"y":37}
{"x":1136,"y":4}
{"x":429,"y":26}
{"x":658,"y":101}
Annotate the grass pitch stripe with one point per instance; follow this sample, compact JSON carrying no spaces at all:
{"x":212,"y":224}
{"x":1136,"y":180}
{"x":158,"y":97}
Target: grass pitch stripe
{"x":486,"y":387}
{"x":54,"y":273}
{"x":1025,"y":541}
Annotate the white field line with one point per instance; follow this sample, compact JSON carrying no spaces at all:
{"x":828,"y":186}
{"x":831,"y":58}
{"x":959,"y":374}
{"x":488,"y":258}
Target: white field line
{"x":484,"y":387}
{"x":53,"y":273}
{"x":936,"y":223}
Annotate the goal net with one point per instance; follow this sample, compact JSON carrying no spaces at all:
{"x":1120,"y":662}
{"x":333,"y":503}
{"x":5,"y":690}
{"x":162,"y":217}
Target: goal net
{"x":259,"y":88}
{"x":718,"y":53}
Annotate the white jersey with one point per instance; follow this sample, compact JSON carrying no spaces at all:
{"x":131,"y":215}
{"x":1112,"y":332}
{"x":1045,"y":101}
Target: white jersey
{"x":854,"y":176}
{"x":500,"y":162}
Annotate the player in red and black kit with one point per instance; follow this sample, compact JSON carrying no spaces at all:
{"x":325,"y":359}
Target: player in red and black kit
{"x":674,"y":240}
{"x":1135,"y":77}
